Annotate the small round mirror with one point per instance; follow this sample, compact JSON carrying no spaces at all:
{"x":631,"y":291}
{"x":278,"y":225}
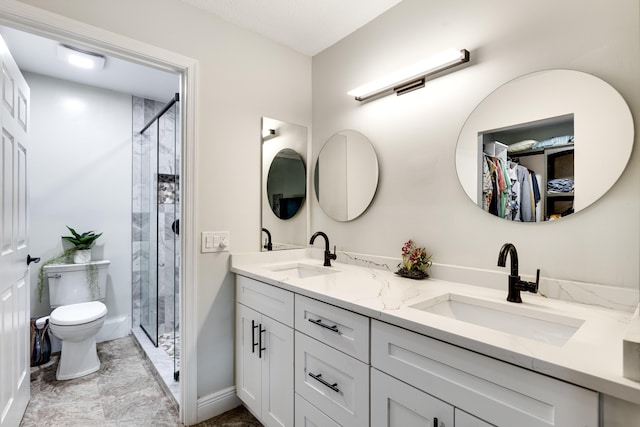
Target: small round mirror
{"x":286,"y":183}
{"x":544,"y":146}
{"x":346,"y":175}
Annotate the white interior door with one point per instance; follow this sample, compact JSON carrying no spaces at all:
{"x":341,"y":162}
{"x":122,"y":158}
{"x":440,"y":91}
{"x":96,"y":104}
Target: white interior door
{"x":14,"y":239}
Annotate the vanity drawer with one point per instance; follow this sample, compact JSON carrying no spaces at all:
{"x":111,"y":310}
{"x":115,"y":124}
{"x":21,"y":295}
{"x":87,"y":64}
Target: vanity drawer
{"x":339,"y":328}
{"x":333,"y":382}
{"x":495,"y":391}
{"x":308,"y":415}
{"x":269,"y":300}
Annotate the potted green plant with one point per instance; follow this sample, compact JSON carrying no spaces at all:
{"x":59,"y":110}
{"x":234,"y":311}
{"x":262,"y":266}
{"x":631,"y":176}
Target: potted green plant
{"x":82,"y":244}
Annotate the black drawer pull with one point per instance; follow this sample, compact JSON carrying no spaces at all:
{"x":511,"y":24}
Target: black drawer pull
{"x":254,"y":344}
{"x":318,"y":377}
{"x":260,"y":347}
{"x":318,"y":322}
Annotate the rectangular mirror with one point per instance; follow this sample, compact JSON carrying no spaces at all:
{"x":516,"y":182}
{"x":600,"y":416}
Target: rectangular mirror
{"x":284,"y":185}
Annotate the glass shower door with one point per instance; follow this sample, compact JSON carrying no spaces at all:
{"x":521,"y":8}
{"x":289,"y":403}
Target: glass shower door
{"x":159,"y":242}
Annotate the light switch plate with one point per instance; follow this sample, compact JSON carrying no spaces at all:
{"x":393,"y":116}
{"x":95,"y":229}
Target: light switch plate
{"x":215,"y":241}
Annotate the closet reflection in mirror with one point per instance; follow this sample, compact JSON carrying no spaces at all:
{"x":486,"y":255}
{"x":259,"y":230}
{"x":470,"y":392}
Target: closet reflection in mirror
{"x":544,"y":146}
{"x":528,"y":170}
{"x":284,"y":185}
{"x":346,"y":175}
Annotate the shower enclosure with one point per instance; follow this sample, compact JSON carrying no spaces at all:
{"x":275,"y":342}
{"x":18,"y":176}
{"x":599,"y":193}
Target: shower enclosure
{"x":155,"y":234}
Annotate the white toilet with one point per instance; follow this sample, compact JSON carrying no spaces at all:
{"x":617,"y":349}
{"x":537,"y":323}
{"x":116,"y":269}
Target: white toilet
{"x":77,"y":317}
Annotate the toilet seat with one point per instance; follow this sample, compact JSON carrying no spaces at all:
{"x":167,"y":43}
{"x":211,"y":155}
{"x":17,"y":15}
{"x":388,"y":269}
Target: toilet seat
{"x":78,"y":314}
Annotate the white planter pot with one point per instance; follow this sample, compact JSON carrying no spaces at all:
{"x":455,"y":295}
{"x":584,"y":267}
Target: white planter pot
{"x":82,"y":256}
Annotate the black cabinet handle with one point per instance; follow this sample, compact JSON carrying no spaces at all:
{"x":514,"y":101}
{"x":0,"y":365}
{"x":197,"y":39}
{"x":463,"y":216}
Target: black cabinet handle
{"x":319,"y":322}
{"x":260,"y":347}
{"x":435,"y":422}
{"x":253,"y":336}
{"x":318,"y":378}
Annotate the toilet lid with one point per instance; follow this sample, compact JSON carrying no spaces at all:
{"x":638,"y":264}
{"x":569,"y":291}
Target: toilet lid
{"x":77,"y":314}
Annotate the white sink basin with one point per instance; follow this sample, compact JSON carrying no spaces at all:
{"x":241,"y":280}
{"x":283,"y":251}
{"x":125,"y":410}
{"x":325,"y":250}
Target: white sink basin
{"x":511,"y":318}
{"x":302,"y":271}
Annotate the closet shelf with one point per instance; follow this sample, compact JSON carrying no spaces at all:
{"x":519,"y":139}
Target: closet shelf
{"x":559,"y":195}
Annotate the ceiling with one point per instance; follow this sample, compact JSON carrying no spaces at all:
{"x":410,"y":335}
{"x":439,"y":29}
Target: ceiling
{"x":38,"y":55}
{"x":307,"y":26}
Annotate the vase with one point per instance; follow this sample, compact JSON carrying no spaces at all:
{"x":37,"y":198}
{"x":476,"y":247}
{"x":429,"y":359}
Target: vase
{"x":82,"y":256}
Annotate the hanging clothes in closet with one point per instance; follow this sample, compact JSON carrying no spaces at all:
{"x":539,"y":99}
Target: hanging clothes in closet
{"x":509,"y":190}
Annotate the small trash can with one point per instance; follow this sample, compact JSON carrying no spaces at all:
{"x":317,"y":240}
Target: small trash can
{"x":40,"y":341}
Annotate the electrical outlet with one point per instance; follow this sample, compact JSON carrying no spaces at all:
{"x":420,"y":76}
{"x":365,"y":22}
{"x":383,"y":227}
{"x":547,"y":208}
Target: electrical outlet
{"x":215,"y":241}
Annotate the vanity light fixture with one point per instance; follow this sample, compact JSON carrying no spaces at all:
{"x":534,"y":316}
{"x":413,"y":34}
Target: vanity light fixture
{"x":412,"y":77}
{"x":80,"y":58}
{"x":268,"y":134}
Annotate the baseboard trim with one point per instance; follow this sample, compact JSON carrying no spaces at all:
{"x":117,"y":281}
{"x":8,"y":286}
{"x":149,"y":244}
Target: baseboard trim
{"x":217,"y":403}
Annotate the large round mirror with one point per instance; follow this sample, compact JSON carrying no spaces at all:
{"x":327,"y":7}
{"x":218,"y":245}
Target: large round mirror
{"x":346,"y":175}
{"x":286,"y":183}
{"x":544,"y":146}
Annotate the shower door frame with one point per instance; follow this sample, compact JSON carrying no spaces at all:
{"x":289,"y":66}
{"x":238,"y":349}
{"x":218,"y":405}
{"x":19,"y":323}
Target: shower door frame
{"x":34,"y":20}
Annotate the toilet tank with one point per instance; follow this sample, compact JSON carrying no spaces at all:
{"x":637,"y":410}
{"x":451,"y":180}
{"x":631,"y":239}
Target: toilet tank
{"x":69,"y":283}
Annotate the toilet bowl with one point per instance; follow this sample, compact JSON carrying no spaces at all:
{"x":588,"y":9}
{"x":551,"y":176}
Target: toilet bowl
{"x":77,"y":325}
{"x":77,"y":317}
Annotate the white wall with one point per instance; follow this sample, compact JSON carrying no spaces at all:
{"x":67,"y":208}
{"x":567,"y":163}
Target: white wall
{"x":242,"y":77}
{"x":415,"y":135}
{"x":80,"y":175}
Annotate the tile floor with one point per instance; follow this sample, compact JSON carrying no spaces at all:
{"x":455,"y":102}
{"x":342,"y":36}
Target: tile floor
{"x":124,"y":392}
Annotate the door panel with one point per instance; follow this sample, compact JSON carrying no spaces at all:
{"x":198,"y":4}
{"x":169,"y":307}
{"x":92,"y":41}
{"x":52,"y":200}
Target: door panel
{"x":277,"y":373}
{"x":14,"y":240}
{"x":248,"y":365}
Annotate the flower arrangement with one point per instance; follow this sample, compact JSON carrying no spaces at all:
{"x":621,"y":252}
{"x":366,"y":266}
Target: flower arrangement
{"x":415,"y":261}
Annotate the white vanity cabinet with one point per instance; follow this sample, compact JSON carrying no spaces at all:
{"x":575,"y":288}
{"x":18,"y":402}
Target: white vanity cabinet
{"x":493,"y":391}
{"x":331,"y":364}
{"x":338,"y":368}
{"x":264,"y":351}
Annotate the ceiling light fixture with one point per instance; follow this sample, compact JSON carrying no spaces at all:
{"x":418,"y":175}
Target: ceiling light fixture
{"x":412,"y":77}
{"x":80,"y":58}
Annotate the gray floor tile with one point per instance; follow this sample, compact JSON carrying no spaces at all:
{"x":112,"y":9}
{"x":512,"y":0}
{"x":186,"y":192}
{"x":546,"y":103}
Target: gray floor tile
{"x":123,"y":393}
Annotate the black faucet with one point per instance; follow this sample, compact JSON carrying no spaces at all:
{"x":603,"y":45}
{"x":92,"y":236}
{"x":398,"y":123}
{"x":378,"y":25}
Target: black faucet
{"x":515,"y":284}
{"x":328,"y":256}
{"x":267,"y":243}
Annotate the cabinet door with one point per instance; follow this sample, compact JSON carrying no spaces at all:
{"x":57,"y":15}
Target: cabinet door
{"x":276,"y":355}
{"x":396,"y":404}
{"x":465,"y":420}
{"x":248,"y":365}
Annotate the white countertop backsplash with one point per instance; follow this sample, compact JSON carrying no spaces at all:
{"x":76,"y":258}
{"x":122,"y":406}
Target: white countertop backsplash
{"x":591,"y":358}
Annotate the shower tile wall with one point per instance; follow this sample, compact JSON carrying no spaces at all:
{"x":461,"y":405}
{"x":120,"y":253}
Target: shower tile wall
{"x":165,"y":184}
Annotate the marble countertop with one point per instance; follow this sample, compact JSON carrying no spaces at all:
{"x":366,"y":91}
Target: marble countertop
{"x":592,"y":356}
